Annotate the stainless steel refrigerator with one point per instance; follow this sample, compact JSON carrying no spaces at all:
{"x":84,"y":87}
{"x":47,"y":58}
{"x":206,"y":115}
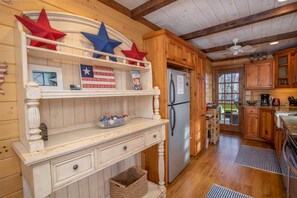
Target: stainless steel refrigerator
{"x":179,"y":122}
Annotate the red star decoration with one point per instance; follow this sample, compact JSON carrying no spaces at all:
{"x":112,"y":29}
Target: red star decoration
{"x":135,"y":54}
{"x":41,"y":28}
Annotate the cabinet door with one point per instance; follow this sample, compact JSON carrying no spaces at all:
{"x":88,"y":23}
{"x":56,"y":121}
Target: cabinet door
{"x":282,"y":61}
{"x":201,"y":67}
{"x":251,"y":76}
{"x":174,"y":50}
{"x":294,"y":68}
{"x":189,"y":57}
{"x":251,"y":123}
{"x":266,"y":124}
{"x":265,"y":75}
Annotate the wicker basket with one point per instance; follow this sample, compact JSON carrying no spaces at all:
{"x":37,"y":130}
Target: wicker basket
{"x":131,"y":183}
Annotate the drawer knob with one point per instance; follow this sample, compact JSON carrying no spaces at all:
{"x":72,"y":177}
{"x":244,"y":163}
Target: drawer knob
{"x":75,"y":167}
{"x":155,"y":136}
{"x":125,"y":147}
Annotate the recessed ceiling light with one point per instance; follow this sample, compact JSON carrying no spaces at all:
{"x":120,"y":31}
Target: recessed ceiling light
{"x":281,"y":0}
{"x":274,"y":43}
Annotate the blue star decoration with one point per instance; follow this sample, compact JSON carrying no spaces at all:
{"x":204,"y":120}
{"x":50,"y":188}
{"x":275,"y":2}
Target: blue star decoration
{"x":102,"y":42}
{"x":86,"y":71}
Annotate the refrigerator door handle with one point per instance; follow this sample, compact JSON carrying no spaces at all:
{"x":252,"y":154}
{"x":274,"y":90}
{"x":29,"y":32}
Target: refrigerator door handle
{"x":171,"y":89}
{"x":172,"y":118}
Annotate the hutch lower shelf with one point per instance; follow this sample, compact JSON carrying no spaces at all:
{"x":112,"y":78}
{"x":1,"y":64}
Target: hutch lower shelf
{"x":66,"y":159}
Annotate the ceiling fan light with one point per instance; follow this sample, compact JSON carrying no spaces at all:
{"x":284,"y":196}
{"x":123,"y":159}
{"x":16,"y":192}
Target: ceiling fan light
{"x":274,"y":43}
{"x":281,"y":0}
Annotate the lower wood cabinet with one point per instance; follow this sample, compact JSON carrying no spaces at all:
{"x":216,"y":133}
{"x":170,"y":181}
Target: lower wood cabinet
{"x":266,"y":124}
{"x":251,"y":122}
{"x":258,"y":123}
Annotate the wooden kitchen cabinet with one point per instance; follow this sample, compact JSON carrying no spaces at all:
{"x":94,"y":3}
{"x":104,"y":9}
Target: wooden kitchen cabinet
{"x":178,"y":53}
{"x":167,"y":50}
{"x":294,"y":67}
{"x":285,"y":75}
{"x":251,"y":122}
{"x":266,"y":124}
{"x":259,"y":75}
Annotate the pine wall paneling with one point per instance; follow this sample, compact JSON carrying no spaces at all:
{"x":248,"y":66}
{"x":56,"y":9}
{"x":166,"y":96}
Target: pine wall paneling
{"x":10,"y":180}
{"x":208,"y":81}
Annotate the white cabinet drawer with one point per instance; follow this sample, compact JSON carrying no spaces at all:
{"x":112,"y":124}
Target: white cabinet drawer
{"x":121,"y":149}
{"x":152,"y":137}
{"x":68,"y":170}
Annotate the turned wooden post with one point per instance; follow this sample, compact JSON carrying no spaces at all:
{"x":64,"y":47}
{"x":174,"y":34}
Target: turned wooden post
{"x":33,"y":135}
{"x":161,"y":164}
{"x":157,"y":115}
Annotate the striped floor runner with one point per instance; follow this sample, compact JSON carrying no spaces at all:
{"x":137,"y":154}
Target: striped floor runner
{"x":217,"y":191}
{"x":258,"y":158}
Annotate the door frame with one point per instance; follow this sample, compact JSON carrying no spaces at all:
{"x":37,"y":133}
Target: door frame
{"x":223,"y":70}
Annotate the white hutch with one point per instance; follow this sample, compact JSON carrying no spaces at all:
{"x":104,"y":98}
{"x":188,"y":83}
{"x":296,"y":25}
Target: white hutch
{"x":77,"y":148}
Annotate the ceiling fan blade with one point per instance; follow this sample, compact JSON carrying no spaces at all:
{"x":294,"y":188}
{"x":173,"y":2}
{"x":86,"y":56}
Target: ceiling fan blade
{"x":247,"y":47}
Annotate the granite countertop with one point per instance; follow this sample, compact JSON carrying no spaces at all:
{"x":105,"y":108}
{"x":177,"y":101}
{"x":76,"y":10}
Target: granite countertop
{"x":277,"y":109}
{"x":290,"y":122}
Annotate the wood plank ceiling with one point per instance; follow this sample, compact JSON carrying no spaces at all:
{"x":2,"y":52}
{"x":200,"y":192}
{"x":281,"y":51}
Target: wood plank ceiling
{"x":211,"y":25}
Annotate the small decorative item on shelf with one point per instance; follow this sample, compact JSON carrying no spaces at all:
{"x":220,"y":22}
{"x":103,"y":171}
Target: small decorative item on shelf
{"x":102,"y":42}
{"x":113,"y":121}
{"x":48,"y":78}
{"x":135,"y":74}
{"x":131,"y":183}
{"x":257,"y":57}
{"x":41,"y":28}
{"x":251,"y":102}
{"x":43,"y":132}
{"x":75,"y":87}
{"x":135,"y":54}
{"x":97,"y":77}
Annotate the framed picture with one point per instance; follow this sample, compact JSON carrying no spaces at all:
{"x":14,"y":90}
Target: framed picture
{"x":48,"y":78}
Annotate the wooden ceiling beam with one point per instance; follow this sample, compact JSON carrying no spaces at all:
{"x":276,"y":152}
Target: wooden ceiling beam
{"x":262,"y":16}
{"x":268,"y":39}
{"x":122,"y":9}
{"x":149,"y":7}
{"x":231,"y":58}
{"x":115,"y":5}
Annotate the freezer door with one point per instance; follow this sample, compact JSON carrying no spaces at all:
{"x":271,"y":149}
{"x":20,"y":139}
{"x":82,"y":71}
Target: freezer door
{"x":178,"y":86}
{"x":179,"y":139}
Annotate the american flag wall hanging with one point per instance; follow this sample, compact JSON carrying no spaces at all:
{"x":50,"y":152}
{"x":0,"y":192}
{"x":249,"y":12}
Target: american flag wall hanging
{"x":97,"y":77}
{"x":3,"y":70}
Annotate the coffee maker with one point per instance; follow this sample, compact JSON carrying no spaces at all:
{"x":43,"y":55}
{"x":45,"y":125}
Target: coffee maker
{"x":264,"y":99}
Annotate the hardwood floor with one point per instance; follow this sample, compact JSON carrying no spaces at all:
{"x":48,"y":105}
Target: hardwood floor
{"x":216,"y":165}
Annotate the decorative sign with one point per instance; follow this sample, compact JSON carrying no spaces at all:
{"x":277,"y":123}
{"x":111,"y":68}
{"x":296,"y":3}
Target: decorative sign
{"x":135,"y":74}
{"x":97,"y":77}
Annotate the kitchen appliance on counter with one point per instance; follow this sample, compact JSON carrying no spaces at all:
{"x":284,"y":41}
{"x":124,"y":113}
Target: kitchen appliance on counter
{"x":179,"y":122}
{"x":275,"y":102}
{"x":292,"y":101}
{"x":264,"y":99}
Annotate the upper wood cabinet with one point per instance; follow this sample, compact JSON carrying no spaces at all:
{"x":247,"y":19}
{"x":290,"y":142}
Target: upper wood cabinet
{"x":286,"y":71}
{"x":179,"y":53}
{"x":259,"y":75}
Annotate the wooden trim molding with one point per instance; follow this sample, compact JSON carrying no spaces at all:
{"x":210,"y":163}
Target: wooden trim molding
{"x":268,"y":39}
{"x":149,"y":7}
{"x":262,"y":16}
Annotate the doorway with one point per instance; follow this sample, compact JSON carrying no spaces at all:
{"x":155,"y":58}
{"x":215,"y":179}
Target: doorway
{"x":229,"y":88}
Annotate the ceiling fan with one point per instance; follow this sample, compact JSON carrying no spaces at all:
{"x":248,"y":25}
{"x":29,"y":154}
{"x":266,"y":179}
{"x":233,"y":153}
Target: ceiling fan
{"x":238,"y":49}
